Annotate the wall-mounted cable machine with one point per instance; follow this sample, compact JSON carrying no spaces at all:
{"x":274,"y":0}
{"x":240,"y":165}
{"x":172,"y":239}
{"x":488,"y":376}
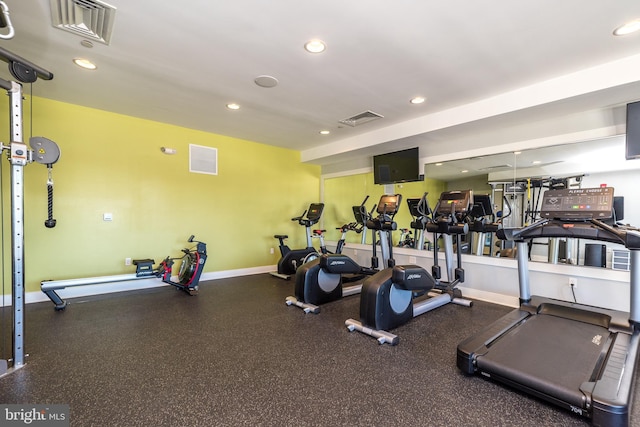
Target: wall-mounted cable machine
{"x":42,"y":150}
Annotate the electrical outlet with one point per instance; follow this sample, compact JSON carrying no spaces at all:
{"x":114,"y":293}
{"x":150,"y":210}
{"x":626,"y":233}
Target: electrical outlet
{"x":127,"y":261}
{"x":272,"y":251}
{"x":573,"y":282}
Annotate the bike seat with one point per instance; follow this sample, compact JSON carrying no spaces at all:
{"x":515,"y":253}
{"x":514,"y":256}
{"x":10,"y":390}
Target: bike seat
{"x":281,"y":236}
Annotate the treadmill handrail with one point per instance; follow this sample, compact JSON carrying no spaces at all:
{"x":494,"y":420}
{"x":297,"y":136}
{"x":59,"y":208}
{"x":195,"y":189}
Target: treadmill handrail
{"x":591,"y":230}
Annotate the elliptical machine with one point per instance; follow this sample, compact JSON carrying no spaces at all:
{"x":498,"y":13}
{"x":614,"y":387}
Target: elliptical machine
{"x":320,"y":281}
{"x":386,"y":301}
{"x":420,"y":212}
{"x":360,"y":214}
{"x":291,"y":259}
{"x":482,"y":222}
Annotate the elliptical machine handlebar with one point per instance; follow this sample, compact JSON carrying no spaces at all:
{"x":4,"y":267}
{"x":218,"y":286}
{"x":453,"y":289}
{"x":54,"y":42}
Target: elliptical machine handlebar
{"x":298,"y":218}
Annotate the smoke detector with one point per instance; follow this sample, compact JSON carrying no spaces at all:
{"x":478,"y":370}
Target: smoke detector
{"x":361,"y":118}
{"x":91,"y":19}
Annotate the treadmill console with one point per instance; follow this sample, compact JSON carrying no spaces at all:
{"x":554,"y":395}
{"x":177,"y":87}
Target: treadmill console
{"x":459,"y":202}
{"x":578,"y":204}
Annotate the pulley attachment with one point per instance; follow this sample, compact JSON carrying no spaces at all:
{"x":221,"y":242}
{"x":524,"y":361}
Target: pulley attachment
{"x":47,"y":153}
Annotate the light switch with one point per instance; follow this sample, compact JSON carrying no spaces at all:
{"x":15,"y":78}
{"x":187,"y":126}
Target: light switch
{"x":107,"y":216}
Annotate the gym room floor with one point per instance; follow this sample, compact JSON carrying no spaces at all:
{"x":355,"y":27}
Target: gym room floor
{"x":236,"y":355}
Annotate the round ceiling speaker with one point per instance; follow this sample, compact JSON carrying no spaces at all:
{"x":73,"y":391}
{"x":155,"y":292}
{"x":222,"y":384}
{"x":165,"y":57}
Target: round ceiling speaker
{"x":266,"y":81}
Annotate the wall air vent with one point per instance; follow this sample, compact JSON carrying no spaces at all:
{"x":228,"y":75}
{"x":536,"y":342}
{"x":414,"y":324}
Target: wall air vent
{"x":91,"y":19}
{"x":203,"y":159}
{"x":361,"y":118}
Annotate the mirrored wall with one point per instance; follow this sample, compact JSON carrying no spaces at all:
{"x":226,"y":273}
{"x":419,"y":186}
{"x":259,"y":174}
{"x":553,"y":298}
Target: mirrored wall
{"x":518,"y":177}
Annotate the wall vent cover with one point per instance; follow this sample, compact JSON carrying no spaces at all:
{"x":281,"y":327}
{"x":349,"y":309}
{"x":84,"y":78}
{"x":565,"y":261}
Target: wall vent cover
{"x":203,"y":159}
{"x":91,"y":19}
{"x":361,"y":118}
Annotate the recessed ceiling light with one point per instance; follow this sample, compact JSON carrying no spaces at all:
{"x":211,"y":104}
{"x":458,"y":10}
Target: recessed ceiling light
{"x":233,"y":106}
{"x":536,"y":162}
{"x":628,"y":28}
{"x":438,"y":164}
{"x":324,"y":132}
{"x":315,"y":46}
{"x":84,"y":63}
{"x":517,"y":152}
{"x":418,"y":100}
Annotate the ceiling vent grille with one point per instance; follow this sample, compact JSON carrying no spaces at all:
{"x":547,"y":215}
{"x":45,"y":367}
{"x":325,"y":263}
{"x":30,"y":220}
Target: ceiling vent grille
{"x":492,"y":168}
{"x":361,"y":118}
{"x":91,"y":19}
{"x":203,"y":159}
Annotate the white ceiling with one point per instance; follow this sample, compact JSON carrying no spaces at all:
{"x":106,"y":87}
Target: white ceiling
{"x":493,"y":71}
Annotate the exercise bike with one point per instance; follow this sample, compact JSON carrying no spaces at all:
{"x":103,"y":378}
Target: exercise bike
{"x":320,"y":281}
{"x":189,"y":272}
{"x":291,"y":259}
{"x":386,"y":300}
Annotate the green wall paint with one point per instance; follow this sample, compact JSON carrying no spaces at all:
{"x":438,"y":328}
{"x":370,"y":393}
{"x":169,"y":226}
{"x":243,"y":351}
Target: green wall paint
{"x":113,"y":163}
{"x":341,"y":193}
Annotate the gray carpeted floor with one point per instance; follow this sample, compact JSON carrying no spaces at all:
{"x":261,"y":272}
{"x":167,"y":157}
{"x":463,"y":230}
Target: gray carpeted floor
{"x":237,"y":355}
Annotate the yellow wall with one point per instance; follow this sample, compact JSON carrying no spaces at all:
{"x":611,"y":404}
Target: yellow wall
{"x":341,"y":193}
{"x":113,"y":163}
{"x":479,"y":184}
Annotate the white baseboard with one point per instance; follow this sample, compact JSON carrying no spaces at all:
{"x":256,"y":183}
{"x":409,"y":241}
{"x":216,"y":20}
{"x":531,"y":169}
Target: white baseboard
{"x":130,"y":285}
{"x":491,"y":297}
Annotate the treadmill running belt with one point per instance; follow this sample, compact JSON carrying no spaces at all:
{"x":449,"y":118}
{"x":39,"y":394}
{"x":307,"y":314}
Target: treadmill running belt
{"x":549,"y":354}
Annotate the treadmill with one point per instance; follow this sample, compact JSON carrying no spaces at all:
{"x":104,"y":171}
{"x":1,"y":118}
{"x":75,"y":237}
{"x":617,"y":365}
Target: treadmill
{"x":579,"y":357}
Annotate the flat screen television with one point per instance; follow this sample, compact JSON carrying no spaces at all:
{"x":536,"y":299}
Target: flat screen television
{"x":633,"y":131}
{"x":398,"y":166}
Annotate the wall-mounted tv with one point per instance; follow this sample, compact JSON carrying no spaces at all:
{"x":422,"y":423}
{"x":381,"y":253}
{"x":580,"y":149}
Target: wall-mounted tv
{"x":633,"y":131}
{"x":398,"y":166}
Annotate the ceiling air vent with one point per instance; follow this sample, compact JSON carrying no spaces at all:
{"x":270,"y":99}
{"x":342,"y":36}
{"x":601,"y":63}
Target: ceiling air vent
{"x":91,"y":19}
{"x":492,"y":168}
{"x":361,"y":118}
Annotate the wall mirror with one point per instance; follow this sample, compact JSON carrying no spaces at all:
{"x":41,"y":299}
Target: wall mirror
{"x":586,"y":164}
